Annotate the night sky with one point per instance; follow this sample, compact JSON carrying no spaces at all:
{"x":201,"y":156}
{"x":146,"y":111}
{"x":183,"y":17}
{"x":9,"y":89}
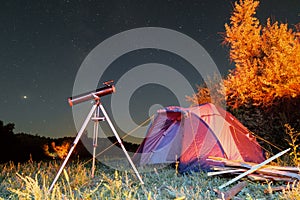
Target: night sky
{"x":43,"y":44}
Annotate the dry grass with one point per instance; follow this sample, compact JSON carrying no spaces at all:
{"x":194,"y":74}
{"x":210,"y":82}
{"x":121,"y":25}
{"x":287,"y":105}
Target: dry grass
{"x":32,"y":180}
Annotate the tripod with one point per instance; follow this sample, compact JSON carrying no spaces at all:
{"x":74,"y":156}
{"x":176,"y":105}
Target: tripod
{"x":95,"y":110}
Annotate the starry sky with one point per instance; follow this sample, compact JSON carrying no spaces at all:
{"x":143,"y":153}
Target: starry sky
{"x":43,"y":44}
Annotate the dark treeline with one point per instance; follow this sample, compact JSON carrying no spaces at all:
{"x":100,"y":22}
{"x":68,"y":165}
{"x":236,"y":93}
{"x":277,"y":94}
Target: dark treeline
{"x":21,"y":147}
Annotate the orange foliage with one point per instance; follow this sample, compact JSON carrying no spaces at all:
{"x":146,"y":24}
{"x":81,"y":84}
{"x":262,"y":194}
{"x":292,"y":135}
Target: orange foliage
{"x":267,"y":59}
{"x":57,"y":151}
{"x":212,"y":94}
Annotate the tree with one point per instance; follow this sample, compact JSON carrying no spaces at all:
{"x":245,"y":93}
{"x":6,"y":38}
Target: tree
{"x":264,"y":87}
{"x":7,"y":129}
{"x":7,"y":141}
{"x":212,"y":94}
{"x":267,"y":59}
{"x":263,"y":90}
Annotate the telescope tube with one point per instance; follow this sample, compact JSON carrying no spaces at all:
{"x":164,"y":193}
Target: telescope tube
{"x":108,"y":89}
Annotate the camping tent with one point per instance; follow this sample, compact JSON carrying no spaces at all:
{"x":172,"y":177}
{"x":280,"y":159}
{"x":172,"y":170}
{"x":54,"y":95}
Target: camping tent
{"x":190,"y":135}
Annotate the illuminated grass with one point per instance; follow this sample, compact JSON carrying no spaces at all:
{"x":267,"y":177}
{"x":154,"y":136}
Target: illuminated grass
{"x":32,"y":180}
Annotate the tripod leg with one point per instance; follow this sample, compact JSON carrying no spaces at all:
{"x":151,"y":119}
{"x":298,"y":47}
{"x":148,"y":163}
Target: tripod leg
{"x":74,"y":144}
{"x":120,"y":142}
{"x":95,"y":139}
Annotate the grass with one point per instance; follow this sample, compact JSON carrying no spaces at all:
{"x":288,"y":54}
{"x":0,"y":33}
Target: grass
{"x":31,"y":181}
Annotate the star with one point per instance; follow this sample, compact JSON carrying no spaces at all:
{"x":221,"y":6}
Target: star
{"x":24,"y":97}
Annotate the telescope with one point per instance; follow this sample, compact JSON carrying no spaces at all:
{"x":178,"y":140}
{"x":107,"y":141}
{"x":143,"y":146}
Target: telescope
{"x":95,"y":110}
{"x":107,"y":89}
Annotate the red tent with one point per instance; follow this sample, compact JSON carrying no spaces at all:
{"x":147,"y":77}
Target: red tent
{"x":190,"y":135}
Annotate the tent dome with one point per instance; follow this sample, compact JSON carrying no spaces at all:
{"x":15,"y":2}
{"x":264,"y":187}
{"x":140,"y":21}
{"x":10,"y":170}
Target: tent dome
{"x":191,"y":135}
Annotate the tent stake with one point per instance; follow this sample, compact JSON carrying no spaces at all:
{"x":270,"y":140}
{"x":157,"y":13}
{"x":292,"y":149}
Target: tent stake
{"x":254,"y":168}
